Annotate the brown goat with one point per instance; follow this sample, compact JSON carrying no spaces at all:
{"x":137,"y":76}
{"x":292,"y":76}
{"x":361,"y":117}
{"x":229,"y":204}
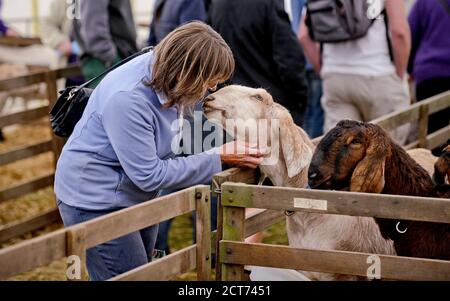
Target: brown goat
{"x":361,"y":157}
{"x":442,"y":166}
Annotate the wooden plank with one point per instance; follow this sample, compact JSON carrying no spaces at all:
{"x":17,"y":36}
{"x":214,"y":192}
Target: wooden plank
{"x":411,"y":114}
{"x":254,"y":224}
{"x":438,"y":102}
{"x":19,"y":41}
{"x":22,"y":81}
{"x":33,"y":253}
{"x":438,"y":138}
{"x":395,"y":119}
{"x":423,"y":126}
{"x":203,"y":233}
{"x":68,"y":71}
{"x":21,"y":189}
{"x":138,"y":217}
{"x":236,"y":175}
{"x":412,"y":145}
{"x":230,"y":175}
{"x":262,"y":220}
{"x":37,"y":77}
{"x":30,"y":224}
{"x":233,"y":228}
{"x":340,"y":262}
{"x":76,"y":252}
{"x":23,"y":152}
{"x":337,"y":202}
{"x":24,"y":116}
{"x":165,"y":268}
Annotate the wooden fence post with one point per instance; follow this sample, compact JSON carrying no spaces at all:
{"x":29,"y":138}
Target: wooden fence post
{"x":76,"y":253}
{"x":52,"y":94}
{"x":423,"y":125}
{"x":234,"y":230}
{"x":203,"y":233}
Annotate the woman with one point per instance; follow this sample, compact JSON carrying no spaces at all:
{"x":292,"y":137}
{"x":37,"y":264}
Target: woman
{"x":120,"y":151}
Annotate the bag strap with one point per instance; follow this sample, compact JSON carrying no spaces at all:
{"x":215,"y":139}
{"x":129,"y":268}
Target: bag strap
{"x":445,"y":5}
{"x":388,"y":37}
{"x":143,"y":51}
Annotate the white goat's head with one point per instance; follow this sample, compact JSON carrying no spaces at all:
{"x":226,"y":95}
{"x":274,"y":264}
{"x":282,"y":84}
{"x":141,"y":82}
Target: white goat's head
{"x":266,"y":123}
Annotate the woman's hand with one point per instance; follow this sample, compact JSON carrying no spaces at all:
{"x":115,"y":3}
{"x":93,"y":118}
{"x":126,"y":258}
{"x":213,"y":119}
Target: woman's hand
{"x":241,"y":155}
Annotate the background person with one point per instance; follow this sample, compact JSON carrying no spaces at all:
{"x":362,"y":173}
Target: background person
{"x":106,"y":33}
{"x":169,"y":14}
{"x":429,"y":63}
{"x":361,"y":80}
{"x":266,"y":50}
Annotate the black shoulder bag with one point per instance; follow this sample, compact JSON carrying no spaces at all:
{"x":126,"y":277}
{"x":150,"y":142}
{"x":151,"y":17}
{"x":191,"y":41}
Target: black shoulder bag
{"x":70,"y":105}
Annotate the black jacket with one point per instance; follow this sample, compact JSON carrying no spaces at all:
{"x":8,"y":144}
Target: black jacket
{"x":267,"y":52}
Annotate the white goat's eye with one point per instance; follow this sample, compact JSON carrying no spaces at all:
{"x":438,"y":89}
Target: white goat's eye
{"x":258,"y":97}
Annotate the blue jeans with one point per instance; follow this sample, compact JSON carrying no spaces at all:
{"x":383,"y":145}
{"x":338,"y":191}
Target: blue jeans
{"x":162,"y":241}
{"x":314,"y":117}
{"x":116,"y":256}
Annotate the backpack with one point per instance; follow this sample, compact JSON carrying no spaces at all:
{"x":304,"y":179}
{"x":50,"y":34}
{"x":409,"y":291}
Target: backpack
{"x":334,"y":21}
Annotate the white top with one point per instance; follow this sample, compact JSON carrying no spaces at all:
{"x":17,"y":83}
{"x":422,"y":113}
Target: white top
{"x":368,"y":55}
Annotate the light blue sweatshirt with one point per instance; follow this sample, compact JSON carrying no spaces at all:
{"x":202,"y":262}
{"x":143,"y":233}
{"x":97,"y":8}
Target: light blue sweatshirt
{"x":120,"y":151}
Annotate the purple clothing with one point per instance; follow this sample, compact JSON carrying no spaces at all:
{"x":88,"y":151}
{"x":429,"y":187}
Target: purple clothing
{"x":430,"y":55}
{"x":3,"y":27}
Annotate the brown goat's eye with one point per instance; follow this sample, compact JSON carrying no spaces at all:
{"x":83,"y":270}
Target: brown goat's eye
{"x":355,"y":142}
{"x":258,"y":97}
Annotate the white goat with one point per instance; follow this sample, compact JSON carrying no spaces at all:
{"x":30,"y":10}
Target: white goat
{"x":305,"y":230}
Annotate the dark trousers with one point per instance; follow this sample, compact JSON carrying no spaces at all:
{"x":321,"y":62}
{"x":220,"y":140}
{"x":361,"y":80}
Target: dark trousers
{"x":429,"y":88}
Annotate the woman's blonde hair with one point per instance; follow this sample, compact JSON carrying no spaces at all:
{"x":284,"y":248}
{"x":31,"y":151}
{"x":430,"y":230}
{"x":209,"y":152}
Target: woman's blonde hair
{"x":189,"y":59}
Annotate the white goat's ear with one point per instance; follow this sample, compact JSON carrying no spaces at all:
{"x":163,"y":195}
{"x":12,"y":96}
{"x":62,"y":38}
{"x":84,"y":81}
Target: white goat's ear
{"x":267,"y":98}
{"x":296,"y":151}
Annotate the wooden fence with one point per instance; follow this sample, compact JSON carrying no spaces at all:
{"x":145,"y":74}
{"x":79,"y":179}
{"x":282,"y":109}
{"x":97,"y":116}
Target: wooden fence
{"x":76,"y":239}
{"x":234,"y":253}
{"x":19,"y":41}
{"x":55,"y":145}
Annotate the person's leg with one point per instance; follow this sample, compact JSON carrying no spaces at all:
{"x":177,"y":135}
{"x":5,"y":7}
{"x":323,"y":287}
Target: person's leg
{"x":148,"y":236}
{"x":313,"y":124}
{"x":383,"y":95}
{"x":337,"y":101}
{"x":162,"y":240}
{"x":111,"y":258}
{"x":430,"y":88}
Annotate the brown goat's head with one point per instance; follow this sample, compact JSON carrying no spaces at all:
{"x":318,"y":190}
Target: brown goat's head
{"x":442,"y":166}
{"x":351,"y":156}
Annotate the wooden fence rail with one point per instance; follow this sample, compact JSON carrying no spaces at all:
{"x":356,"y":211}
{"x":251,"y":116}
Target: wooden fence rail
{"x":76,"y":239}
{"x":234,"y":254}
{"x":54,"y":145}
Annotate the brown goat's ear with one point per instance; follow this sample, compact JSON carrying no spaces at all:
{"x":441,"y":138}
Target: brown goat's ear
{"x":441,"y":170}
{"x":368,"y":175}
